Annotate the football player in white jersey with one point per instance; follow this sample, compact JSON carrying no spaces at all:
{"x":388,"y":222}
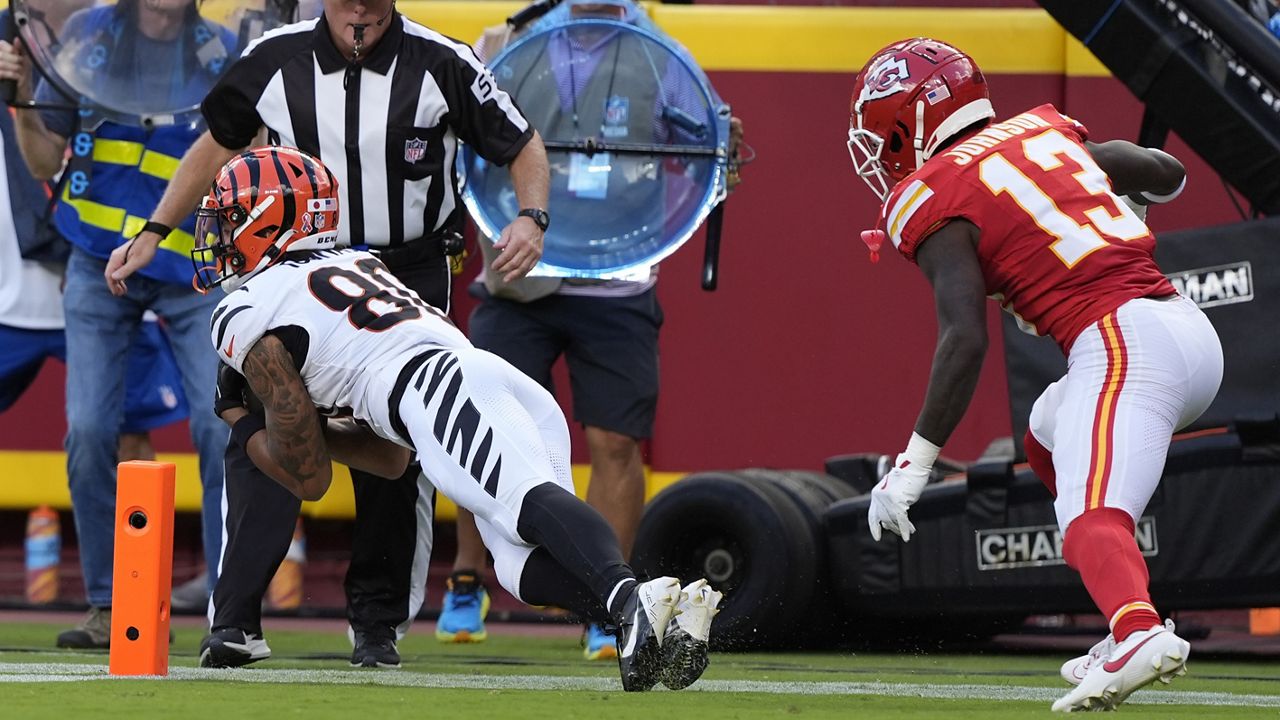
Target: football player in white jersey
{"x":337,"y":349}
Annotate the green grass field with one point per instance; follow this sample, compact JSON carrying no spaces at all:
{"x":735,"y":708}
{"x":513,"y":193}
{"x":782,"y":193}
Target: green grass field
{"x":525,"y":677}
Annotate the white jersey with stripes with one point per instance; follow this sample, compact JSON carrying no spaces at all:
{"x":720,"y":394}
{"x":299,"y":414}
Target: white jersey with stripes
{"x":348,"y":323}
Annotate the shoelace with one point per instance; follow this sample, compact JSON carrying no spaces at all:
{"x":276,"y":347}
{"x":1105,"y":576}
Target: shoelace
{"x":469,"y":599}
{"x":1103,"y":649}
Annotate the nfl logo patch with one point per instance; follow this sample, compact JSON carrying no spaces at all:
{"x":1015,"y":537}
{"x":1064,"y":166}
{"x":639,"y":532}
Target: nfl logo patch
{"x":617,"y":111}
{"x":414,"y":150}
{"x":937,"y":95}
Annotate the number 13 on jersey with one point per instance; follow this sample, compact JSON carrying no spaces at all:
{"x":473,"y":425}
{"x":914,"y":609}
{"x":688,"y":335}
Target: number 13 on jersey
{"x":1073,"y":241}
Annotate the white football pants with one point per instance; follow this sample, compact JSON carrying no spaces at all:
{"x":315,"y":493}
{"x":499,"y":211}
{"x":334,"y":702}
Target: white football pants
{"x":1134,"y":378}
{"x":486,"y":434}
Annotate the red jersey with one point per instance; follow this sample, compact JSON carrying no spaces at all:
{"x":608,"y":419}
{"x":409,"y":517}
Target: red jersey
{"x":1058,"y":249}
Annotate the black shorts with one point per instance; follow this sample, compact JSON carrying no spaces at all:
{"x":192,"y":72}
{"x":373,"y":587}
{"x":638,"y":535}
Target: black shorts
{"x":609,"y":343}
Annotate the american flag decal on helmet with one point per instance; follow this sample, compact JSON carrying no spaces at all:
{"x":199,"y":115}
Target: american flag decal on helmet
{"x":414,"y":149}
{"x":937,"y":95}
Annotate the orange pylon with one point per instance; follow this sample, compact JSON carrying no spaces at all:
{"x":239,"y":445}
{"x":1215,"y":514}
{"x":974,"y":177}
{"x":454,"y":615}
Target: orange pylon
{"x":143,"y":575}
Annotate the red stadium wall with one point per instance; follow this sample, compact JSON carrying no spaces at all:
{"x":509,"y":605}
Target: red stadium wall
{"x":807,"y":349}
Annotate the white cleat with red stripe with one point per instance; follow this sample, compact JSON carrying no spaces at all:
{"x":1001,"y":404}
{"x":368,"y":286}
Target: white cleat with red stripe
{"x":1120,"y":668}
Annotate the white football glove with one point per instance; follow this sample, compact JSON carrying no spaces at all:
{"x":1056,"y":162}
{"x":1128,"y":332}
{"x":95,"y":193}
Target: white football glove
{"x":895,"y":494}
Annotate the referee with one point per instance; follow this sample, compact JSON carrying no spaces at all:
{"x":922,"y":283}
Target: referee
{"x":383,"y":102}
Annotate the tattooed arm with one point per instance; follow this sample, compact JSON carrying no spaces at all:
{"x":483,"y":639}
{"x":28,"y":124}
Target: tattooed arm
{"x":296,"y":447}
{"x":292,"y":451}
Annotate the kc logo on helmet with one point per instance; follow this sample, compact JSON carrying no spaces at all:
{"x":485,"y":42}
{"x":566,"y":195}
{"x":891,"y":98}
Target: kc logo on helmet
{"x":885,"y":79}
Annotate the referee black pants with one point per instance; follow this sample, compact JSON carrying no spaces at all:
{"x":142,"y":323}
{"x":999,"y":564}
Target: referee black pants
{"x":391,"y":542}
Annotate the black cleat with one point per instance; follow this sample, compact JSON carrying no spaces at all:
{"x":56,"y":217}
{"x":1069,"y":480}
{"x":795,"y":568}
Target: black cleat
{"x":643,"y":623}
{"x":230,"y":647}
{"x":374,"y":652}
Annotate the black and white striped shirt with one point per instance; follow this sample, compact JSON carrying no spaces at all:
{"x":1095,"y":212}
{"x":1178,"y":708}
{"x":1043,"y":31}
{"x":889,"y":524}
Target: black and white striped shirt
{"x":389,"y":131}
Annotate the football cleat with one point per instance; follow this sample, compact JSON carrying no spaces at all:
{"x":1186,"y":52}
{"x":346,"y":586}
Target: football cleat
{"x":641,"y":628}
{"x":230,"y":647}
{"x":684,"y":649}
{"x":466,"y":604}
{"x":598,"y":643}
{"x":1142,"y":658}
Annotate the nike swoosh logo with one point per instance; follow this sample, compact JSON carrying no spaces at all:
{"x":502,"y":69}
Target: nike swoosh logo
{"x":1115,"y":665}
{"x":231,"y":346}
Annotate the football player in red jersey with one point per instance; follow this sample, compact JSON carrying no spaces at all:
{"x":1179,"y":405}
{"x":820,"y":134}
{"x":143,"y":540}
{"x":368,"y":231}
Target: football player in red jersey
{"x":1029,"y":212}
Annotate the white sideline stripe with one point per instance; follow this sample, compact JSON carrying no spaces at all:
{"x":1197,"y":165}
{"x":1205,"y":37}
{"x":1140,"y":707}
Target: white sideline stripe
{"x":74,"y":672}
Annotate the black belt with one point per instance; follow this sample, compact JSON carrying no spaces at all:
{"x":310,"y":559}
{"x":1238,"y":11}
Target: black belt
{"x":428,"y":248}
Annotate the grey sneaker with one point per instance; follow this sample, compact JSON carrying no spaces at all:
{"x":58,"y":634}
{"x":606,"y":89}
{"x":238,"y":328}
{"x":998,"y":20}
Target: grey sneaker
{"x":94,"y":632}
{"x":192,"y":595}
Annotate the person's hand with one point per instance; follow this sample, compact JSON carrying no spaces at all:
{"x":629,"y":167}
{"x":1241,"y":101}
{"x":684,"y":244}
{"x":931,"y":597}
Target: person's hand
{"x":229,"y":396}
{"x":895,"y":494}
{"x":520,"y":248}
{"x":16,"y":66}
{"x":128,"y":259}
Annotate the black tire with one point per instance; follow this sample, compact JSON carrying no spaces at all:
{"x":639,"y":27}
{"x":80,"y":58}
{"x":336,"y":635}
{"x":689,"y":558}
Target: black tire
{"x":813,"y":493}
{"x":748,"y":539}
{"x":835,"y":488}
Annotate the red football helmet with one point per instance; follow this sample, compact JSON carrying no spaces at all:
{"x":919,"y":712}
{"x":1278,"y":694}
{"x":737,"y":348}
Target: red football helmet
{"x":911,"y":97}
{"x":265,"y":202}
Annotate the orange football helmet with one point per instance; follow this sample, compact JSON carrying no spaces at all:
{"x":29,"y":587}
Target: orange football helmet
{"x":264,"y":203}
{"x":910,"y":98}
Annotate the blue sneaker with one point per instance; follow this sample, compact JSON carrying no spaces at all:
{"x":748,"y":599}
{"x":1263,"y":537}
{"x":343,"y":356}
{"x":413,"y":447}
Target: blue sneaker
{"x":466,"y":604}
{"x":599,"y":643}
